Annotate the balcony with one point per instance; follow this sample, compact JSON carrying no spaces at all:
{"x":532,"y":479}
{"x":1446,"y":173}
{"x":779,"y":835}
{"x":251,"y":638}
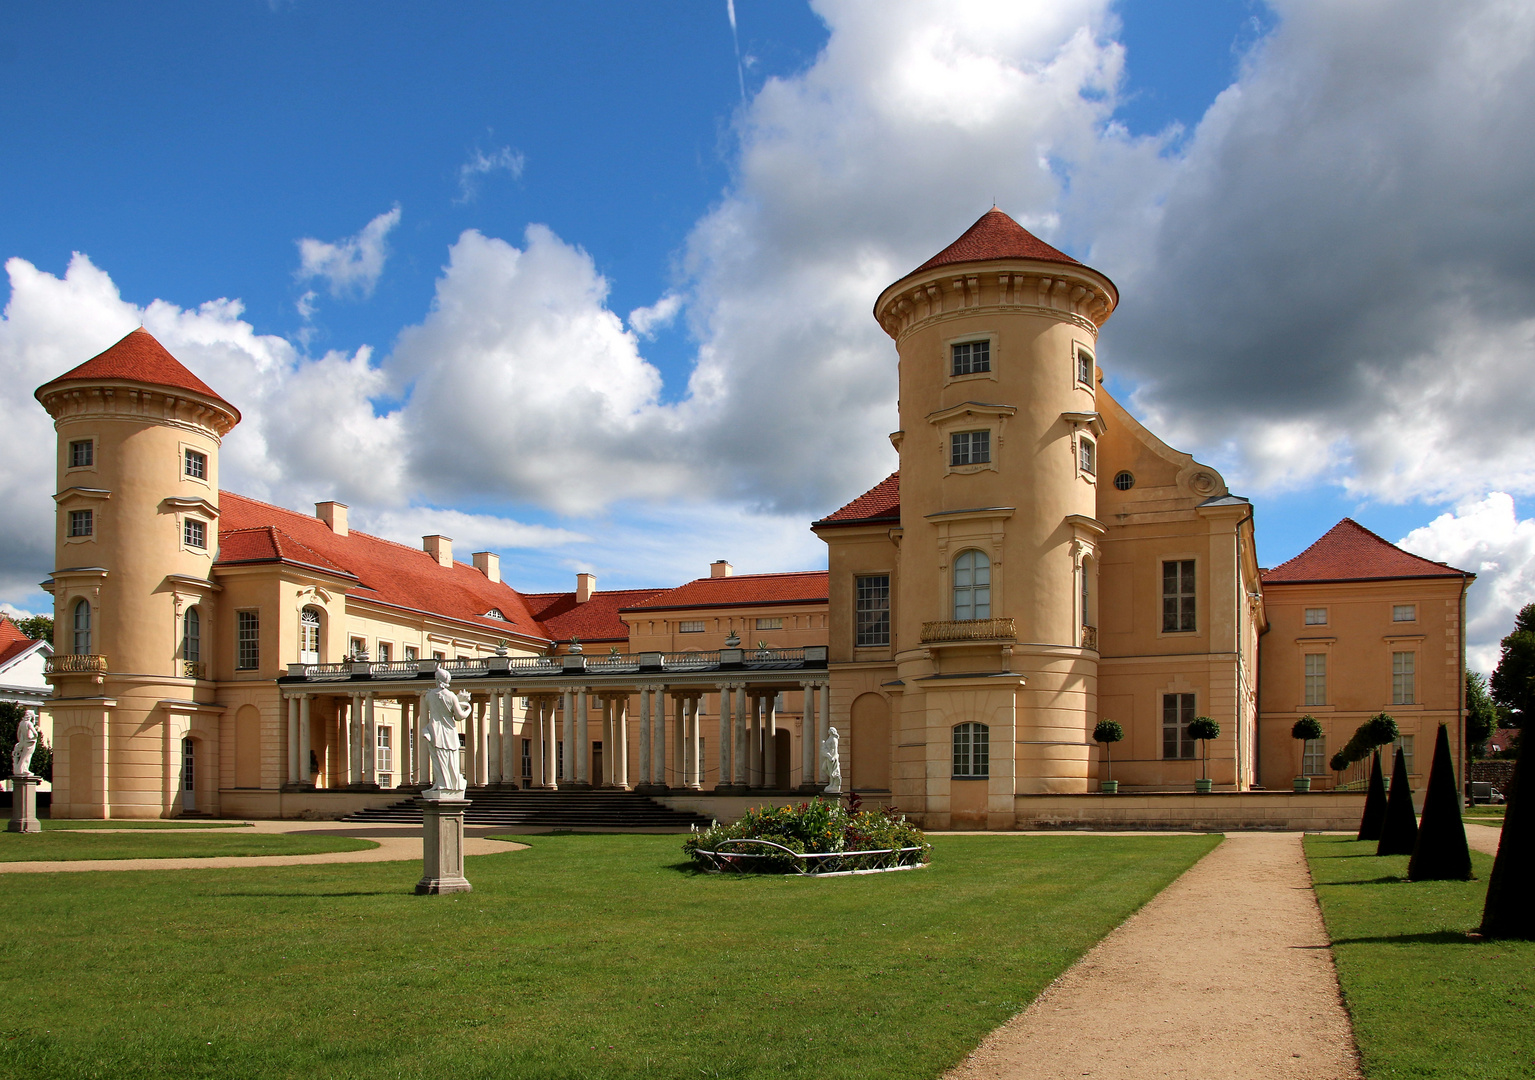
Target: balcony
{"x":76,"y":664}
{"x":959,"y":630}
{"x":1090,"y":638}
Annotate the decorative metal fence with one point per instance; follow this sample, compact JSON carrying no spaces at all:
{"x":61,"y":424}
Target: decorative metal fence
{"x":810,"y":864}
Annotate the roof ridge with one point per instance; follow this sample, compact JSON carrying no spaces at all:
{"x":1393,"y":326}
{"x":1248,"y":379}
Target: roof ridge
{"x":350,"y":532}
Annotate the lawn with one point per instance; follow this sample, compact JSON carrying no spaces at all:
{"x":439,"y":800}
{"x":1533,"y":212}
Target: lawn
{"x":1426,"y":1000}
{"x":584,"y":956}
{"x":71,"y":824}
{"x":49,"y":846}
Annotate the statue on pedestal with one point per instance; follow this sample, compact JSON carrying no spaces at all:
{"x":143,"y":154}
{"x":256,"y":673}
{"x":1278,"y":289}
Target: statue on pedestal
{"x":26,"y":743}
{"x":831,"y":763}
{"x":444,"y":711}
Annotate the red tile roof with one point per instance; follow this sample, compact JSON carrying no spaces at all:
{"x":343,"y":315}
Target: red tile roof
{"x":882,"y":502}
{"x":138,"y":357}
{"x":1350,"y":552}
{"x":12,"y":641}
{"x":996,"y":236}
{"x":595,"y":620}
{"x":742,"y":590}
{"x":387,"y":572}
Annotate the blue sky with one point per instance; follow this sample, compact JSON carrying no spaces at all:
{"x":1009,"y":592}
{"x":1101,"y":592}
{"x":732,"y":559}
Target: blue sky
{"x":187,"y":149}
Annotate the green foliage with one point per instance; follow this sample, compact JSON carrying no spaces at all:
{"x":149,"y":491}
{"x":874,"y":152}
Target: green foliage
{"x":1511,"y":684}
{"x":37,"y":627}
{"x":1108,"y":731}
{"x":815,"y":827}
{"x":42,"y":757}
{"x":1339,"y":762}
{"x":1307,"y":727}
{"x":1442,"y":853}
{"x":1399,"y":833}
{"x":1481,"y":712}
{"x":69,"y":845}
{"x":1378,"y":730}
{"x":1204,"y":729}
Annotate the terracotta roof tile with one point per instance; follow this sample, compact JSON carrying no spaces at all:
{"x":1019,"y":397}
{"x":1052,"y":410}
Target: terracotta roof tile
{"x":138,"y":357}
{"x":1350,"y":552}
{"x":12,"y":641}
{"x":387,"y":572}
{"x":804,"y":587}
{"x":882,"y":502}
{"x":595,"y":620}
{"x":996,"y":236}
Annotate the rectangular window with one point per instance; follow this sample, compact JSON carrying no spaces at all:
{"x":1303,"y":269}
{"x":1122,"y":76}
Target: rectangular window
{"x":972,"y":750}
{"x":1084,"y":367}
{"x":1404,"y":744}
{"x":384,"y":761}
{"x":82,"y":523}
{"x":196,"y":465}
{"x":1316,"y":616}
{"x":1403,"y":692}
{"x":1404,"y":613}
{"x":970,"y":448}
{"x":1316,"y":678}
{"x":82,"y":453}
{"x":410,"y":653}
{"x":385,"y":652}
{"x":527,"y":758}
{"x":769,"y":624}
{"x":690,"y":626}
{"x":1177,"y":711}
{"x":971,"y":357}
{"x":871,"y":610}
{"x":1314,"y":758}
{"x":247,"y":641}
{"x":439,"y":656}
{"x":1178,"y":596}
{"x":1087,"y":455}
{"x":194,"y":533}
{"x":357,"y":647}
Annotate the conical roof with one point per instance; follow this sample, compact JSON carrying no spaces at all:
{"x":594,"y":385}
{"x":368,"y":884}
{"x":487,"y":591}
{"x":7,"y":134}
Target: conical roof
{"x":138,"y":357}
{"x":996,"y":236}
{"x":1350,"y":552}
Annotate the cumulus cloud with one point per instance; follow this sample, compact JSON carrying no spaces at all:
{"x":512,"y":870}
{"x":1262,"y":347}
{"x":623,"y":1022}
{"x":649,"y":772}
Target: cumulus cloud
{"x":350,"y":266}
{"x":1488,"y":538}
{"x":645,"y":321}
{"x":481,"y":164}
{"x":470,"y":532}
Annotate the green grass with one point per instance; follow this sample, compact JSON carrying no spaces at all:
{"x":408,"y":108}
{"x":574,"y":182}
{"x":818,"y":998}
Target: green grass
{"x":1426,"y":1000}
{"x":584,"y":956}
{"x":49,"y":846}
{"x":71,"y":824}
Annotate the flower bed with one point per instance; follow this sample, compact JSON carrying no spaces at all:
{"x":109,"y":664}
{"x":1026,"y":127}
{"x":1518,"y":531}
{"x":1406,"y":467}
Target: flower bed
{"x":816,"y":837}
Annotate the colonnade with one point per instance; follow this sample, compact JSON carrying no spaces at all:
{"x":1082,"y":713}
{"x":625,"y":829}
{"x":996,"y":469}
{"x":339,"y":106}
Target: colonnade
{"x":556,"y":727}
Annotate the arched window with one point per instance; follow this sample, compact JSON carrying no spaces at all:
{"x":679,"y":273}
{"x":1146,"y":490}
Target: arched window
{"x":192,"y":636}
{"x":972,"y":585}
{"x":309,"y":636}
{"x":82,"y":627}
{"x":972,"y":750}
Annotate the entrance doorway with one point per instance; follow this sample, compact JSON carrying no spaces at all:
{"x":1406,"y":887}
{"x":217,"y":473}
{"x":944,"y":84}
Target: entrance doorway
{"x":783,"y":755}
{"x":596,"y":777}
{"x":188,"y":775}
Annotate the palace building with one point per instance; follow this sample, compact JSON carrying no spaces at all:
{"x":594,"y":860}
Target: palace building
{"x":1040,"y":561}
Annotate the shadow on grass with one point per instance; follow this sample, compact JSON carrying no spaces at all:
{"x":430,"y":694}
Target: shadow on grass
{"x":1438,"y":937}
{"x":302,"y":895}
{"x":1391,"y":880}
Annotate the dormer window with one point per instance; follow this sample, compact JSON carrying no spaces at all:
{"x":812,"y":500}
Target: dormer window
{"x":196,"y":465}
{"x":494,"y":613}
{"x":970,"y":357}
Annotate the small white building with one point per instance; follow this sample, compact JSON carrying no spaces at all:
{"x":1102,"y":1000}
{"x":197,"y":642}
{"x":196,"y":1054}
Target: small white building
{"x":22,"y":662}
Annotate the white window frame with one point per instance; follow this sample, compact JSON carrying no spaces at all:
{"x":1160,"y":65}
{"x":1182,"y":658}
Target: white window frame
{"x":248,"y":659}
{"x":970,"y":743}
{"x":969,"y":345}
{"x":191,"y":455}
{"x":1401,"y":613}
{"x":989,"y":339}
{"x":77,"y":518}
{"x":1084,"y":359}
{"x":194,"y":530}
{"x":411,"y":653}
{"x":1313,"y":760}
{"x":384,"y":749}
{"x":965,"y":585}
{"x":1192,"y":596}
{"x":1175,"y":734}
{"x":871,"y":611}
{"x":1315,"y":616}
{"x":81,"y":627}
{"x":1405,"y":743}
{"x":192,"y":635}
{"x":309,"y":656}
{"x":1404,"y":677}
{"x":90,"y":465}
{"x":770,"y":623}
{"x":691,"y":626}
{"x":1087,"y":457}
{"x":973,"y":454}
{"x":1314,"y":666}
{"x":384,"y":651}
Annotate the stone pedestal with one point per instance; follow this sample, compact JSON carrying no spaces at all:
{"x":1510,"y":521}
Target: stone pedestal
{"x":442,"y":846}
{"x":24,"y":805}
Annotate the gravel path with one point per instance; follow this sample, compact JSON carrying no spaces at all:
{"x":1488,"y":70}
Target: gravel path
{"x":1483,"y":838}
{"x":395,"y":844}
{"x":1226,"y":975}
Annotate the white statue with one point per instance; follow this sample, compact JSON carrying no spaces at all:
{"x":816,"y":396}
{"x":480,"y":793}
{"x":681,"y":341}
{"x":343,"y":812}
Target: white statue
{"x":831,"y":763}
{"x":443,"y":712}
{"x":26,"y":743}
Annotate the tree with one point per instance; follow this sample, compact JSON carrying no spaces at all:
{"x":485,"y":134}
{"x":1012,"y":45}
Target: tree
{"x":1510,"y":907}
{"x":1374,"y":817}
{"x":1400,"y":834}
{"x":1481,"y":713}
{"x":42,"y":757}
{"x":1510,"y":684}
{"x":1441,"y":853}
{"x":1204,"y":729}
{"x":1107,"y":733}
{"x":37,"y":627}
{"x":1307,"y":727}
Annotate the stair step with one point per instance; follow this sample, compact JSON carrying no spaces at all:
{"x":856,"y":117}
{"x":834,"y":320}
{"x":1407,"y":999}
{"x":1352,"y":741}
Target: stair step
{"x":548,"y":809}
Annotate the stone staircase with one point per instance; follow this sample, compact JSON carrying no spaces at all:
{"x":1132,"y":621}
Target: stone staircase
{"x":549,"y":810}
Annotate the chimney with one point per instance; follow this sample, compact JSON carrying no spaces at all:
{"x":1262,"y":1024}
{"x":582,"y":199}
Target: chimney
{"x":489,"y":564}
{"x":720,"y":568}
{"x":439,"y":548}
{"x":333,"y":514}
{"x":586,"y":584}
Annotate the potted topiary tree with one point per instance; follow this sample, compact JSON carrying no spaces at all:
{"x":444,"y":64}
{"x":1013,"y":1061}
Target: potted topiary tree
{"x":1305,"y":728}
{"x":1106,"y":734}
{"x":1204,"y":729}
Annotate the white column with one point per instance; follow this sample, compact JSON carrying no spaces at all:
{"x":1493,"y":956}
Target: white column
{"x":823,"y":728}
{"x":407,"y":760}
{"x":291,"y":776}
{"x":754,"y":742}
{"x":740,"y":755}
{"x":770,"y":742}
{"x":370,"y":741}
{"x":511,"y":756}
{"x":807,"y":737}
{"x":568,"y":759}
{"x":423,"y":753}
{"x":304,"y":741}
{"x":583,"y":740}
{"x":689,"y":742}
{"x":680,"y":733}
{"x":696,"y":736}
{"x":646,"y":776}
{"x":546,"y":722}
{"x":493,"y":766}
{"x":658,"y":743}
{"x":725,"y":735}
{"x":621,"y":741}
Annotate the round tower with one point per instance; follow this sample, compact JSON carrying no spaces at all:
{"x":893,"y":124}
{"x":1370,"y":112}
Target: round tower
{"x":136,"y":535}
{"x":997,"y":340}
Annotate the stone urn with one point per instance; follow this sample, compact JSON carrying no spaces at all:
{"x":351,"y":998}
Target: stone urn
{"x":1302,"y":785}
{"x":1203,"y":786}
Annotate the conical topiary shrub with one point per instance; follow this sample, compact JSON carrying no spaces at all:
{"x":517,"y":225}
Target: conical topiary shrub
{"x":1441,"y":853}
{"x":1374,"y":818}
{"x":1510,"y":908}
{"x":1400,"y":833}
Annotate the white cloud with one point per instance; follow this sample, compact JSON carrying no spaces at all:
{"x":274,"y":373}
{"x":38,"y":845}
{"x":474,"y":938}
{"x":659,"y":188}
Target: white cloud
{"x":645,"y":321}
{"x":350,"y":266}
{"x":470,"y":532}
{"x":481,"y":164}
{"x":1488,"y":538}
